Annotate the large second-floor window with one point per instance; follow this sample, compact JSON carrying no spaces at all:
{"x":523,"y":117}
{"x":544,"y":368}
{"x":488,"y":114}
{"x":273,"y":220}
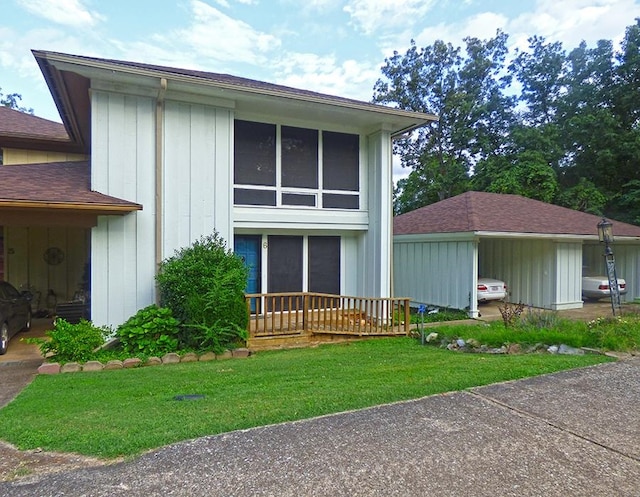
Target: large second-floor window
{"x":289,"y":166}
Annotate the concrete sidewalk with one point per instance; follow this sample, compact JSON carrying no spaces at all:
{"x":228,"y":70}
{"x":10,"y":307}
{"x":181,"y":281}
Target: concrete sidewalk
{"x":574,"y":433}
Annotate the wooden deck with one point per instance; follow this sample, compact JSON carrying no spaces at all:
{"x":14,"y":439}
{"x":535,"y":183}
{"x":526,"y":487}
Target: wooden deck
{"x":301,"y":317}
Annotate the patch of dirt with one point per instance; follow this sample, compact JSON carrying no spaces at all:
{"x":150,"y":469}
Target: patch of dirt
{"x":18,"y":464}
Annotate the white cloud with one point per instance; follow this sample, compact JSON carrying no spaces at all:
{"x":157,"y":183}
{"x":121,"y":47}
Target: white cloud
{"x":219,"y":37}
{"x":372,"y":15}
{"x":572,"y":21}
{"x":66,"y":12}
{"x":325,"y":74}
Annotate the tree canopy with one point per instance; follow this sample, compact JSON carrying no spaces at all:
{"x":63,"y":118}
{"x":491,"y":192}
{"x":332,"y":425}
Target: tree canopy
{"x":12,"y":100}
{"x":562,"y":126}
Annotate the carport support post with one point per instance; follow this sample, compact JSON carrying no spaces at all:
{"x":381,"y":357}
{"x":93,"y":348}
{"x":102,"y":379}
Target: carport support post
{"x":605,"y":234}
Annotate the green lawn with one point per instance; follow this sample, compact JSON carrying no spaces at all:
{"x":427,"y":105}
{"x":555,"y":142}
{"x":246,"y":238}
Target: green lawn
{"x":125,"y":412}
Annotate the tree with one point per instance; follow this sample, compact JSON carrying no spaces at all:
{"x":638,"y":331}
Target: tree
{"x":12,"y":100}
{"x":467,"y":94}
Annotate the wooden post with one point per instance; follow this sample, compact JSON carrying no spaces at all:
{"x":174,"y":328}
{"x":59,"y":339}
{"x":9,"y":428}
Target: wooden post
{"x":407,"y":316}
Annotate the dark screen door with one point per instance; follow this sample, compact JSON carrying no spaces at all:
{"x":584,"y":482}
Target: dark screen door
{"x":284,"y":272}
{"x":324,"y":264}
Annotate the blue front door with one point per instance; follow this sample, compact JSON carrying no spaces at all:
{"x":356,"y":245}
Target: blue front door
{"x":247,"y":247}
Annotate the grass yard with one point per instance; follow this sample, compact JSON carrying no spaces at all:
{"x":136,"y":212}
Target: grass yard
{"x":125,"y":412}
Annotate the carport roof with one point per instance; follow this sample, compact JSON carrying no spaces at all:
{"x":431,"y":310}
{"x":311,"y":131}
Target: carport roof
{"x":495,"y":212}
{"x":57,"y":186}
{"x":26,"y":131}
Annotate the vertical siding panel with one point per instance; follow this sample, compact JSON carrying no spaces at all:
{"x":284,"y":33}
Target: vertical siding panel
{"x":221,"y":191}
{"x":144,"y":176}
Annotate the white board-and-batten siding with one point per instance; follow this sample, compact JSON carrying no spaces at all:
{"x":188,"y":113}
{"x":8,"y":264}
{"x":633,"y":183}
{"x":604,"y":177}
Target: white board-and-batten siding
{"x":438,"y":273}
{"x":196,"y":158}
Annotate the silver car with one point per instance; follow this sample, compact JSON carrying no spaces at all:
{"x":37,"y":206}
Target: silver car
{"x":491,"y":289}
{"x":597,"y":287}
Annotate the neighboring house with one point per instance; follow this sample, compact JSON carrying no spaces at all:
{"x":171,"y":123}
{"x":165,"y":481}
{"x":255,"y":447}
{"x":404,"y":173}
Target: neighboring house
{"x":33,"y":216}
{"x":540,"y":250}
{"x":300,"y":183}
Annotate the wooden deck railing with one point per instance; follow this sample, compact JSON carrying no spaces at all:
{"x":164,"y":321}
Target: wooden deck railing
{"x":300,"y":313}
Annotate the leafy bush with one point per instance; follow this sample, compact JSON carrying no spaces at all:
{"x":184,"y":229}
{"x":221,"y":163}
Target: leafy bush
{"x":151,"y":331}
{"x":204,"y":287}
{"x":72,"y":342}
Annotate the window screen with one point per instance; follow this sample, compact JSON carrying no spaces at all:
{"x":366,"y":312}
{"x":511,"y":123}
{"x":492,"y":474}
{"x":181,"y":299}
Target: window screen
{"x":243,"y":196}
{"x":299,"y":157}
{"x":324,"y":264}
{"x":298,"y":199}
{"x":340,"y":161}
{"x":337,"y":201}
{"x":254,"y":151}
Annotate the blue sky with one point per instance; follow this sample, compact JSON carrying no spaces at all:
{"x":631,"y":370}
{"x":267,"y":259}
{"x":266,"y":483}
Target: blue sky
{"x":331,"y":46}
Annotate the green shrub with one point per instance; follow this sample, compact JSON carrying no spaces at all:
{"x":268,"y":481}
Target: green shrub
{"x":204,"y":287}
{"x":151,"y":331}
{"x":540,"y":319}
{"x":72,"y":342}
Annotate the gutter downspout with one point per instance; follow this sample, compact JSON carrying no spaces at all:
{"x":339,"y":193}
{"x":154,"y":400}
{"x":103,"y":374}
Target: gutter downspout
{"x":159,"y":156}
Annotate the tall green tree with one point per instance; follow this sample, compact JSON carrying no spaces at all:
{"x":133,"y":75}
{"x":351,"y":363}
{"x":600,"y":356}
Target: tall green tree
{"x":466,"y":92}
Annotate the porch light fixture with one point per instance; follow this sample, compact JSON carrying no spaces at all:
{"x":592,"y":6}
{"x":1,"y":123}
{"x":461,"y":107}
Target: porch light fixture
{"x":605,"y":231}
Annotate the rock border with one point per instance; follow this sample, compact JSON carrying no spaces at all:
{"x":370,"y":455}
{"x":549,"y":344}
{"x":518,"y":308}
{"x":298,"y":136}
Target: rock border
{"x":134,"y":362}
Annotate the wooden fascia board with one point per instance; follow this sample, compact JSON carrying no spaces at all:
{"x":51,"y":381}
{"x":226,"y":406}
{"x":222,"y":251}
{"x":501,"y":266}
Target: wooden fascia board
{"x":99,"y":209}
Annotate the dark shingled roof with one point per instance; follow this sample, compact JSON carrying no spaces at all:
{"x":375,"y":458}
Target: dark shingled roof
{"x":16,"y":124}
{"x":495,"y":212}
{"x":56,"y":184}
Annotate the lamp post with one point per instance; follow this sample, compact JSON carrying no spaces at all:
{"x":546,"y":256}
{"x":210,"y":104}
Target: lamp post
{"x":605,"y":235}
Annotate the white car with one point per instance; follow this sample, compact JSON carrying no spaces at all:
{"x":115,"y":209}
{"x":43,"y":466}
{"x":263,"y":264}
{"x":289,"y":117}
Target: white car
{"x":490,"y":289}
{"x":597,"y":287}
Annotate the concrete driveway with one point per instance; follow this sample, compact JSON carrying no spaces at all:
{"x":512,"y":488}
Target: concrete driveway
{"x":574,"y":433}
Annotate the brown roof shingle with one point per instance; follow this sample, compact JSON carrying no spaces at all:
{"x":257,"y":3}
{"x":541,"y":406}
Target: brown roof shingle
{"x":16,"y":124}
{"x":495,"y":212}
{"x":55,"y":185}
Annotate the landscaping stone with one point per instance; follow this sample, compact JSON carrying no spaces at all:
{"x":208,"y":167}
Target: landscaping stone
{"x":431,"y":337}
{"x":514,"y":348}
{"x":171,"y":358}
{"x":207,"y":356}
{"x":71,"y":367}
{"x":153,"y":361}
{"x":131,"y":362}
{"x":568,"y":350}
{"x":113,"y":364}
{"x":93,"y":366}
{"x":242,"y":352}
{"x":49,"y":368}
{"x":189,"y":357}
{"x":472,"y":342}
{"x":225,"y":355}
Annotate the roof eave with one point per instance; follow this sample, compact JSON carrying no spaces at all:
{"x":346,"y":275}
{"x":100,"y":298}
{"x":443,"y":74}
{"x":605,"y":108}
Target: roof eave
{"x":409,"y":120}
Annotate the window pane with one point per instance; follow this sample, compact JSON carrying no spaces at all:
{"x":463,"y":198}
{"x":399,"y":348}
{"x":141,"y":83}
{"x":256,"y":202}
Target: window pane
{"x":254,"y":197}
{"x":337,"y":201}
{"x":340,"y":161}
{"x":297,"y":199}
{"x":254,"y":151}
{"x":299,"y":157}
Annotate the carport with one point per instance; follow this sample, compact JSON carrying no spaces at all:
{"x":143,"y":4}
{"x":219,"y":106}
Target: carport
{"x":540,"y":250}
{"x":46,"y":215}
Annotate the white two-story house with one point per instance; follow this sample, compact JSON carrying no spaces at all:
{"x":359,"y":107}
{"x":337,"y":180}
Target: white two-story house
{"x":298,"y":183}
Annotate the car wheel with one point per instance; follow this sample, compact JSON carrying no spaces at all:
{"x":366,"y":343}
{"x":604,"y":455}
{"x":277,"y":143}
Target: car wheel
{"x":4,"y":338}
{"x":27,"y":324}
